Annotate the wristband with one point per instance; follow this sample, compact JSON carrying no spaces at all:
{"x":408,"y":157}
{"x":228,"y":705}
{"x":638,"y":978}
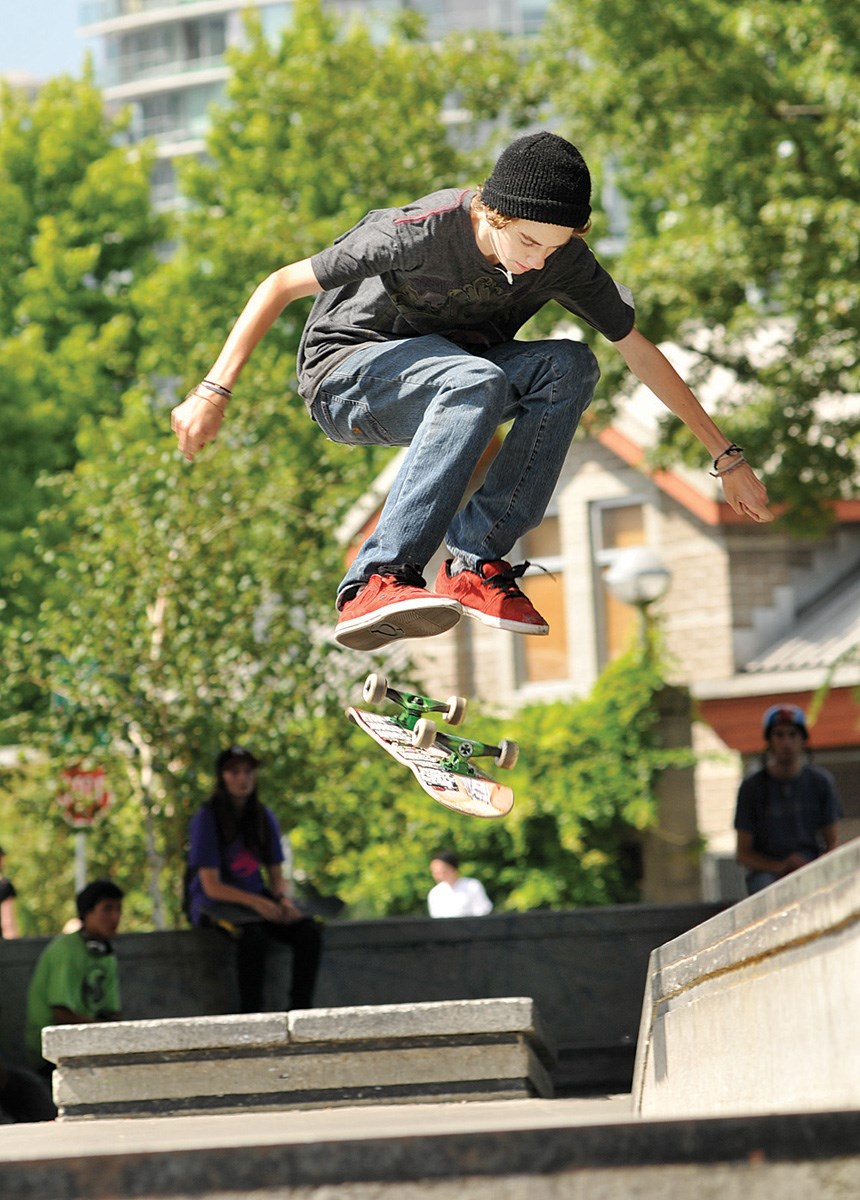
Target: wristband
{"x":733,"y":466}
{"x":731,"y":451}
{"x":219,"y":388}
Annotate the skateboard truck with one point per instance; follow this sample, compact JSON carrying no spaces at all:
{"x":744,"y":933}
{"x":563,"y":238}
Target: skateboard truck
{"x":424,"y":732}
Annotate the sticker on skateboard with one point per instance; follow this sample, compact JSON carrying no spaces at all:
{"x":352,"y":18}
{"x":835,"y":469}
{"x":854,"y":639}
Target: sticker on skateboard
{"x":442,"y":762}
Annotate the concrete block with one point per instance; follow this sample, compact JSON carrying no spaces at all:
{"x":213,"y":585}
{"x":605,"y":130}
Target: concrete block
{"x":753,"y":1011}
{"x":514,"y":1014}
{"x":399,"y":1053}
{"x":165,"y":1036}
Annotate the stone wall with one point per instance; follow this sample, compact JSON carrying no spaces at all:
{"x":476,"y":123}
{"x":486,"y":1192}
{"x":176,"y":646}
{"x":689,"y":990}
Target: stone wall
{"x":585,"y":969}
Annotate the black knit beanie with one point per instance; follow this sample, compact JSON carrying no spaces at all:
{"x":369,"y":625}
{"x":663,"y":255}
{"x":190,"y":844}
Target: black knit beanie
{"x":541,"y":177}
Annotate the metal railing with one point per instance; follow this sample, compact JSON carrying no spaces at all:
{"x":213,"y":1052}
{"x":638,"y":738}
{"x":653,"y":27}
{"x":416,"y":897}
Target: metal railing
{"x":153,"y":64}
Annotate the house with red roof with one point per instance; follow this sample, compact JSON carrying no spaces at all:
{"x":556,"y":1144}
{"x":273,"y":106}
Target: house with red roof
{"x":752,"y":616}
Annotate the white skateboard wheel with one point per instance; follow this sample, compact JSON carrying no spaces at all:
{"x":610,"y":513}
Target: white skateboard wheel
{"x":508,"y":754}
{"x":375,"y":688}
{"x":423,"y":734}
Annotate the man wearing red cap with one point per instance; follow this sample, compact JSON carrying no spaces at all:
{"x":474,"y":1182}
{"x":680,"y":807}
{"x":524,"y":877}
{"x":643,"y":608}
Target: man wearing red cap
{"x":412,"y":342}
{"x":788,"y":811}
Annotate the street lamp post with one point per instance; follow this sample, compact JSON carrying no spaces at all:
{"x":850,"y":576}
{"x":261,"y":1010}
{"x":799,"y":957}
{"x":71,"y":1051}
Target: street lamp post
{"x":670,"y":867}
{"x":637,"y":576}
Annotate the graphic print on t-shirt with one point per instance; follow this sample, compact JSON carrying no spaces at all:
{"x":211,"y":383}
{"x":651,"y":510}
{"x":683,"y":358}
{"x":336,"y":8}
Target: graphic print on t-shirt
{"x":243,"y":864}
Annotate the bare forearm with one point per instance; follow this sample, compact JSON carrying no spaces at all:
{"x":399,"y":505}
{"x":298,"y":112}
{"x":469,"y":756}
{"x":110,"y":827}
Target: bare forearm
{"x":830,"y":834}
{"x":198,"y":418}
{"x":8,"y":920}
{"x":266,"y":304}
{"x":743,"y":490}
{"x":216,"y":890}
{"x":650,"y":365}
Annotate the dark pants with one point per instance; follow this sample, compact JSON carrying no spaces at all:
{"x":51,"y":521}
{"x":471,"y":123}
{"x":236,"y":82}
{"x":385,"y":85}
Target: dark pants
{"x":24,"y":1096}
{"x":253,"y":938}
{"x":252,"y":948}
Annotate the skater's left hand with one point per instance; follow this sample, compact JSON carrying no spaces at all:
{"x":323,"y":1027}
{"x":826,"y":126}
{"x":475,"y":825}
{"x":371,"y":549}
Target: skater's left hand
{"x":746,"y":493}
{"x":197,"y":419}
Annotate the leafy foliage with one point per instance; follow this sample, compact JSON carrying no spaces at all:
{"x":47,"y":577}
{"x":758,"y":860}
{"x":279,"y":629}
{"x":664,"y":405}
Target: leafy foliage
{"x":182,"y":608}
{"x":162,"y":610}
{"x":733,"y":133}
{"x":76,"y":231}
{"x":359,"y":826}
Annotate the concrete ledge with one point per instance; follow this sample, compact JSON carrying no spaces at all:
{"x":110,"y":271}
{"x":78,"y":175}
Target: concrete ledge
{"x":538,"y":1149}
{"x":752,"y":1011}
{"x":473,"y":1049}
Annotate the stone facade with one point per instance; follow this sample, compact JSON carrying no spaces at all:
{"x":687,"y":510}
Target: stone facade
{"x":735,"y":588}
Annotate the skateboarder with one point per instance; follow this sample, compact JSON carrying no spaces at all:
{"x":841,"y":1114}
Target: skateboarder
{"x":411,"y":343}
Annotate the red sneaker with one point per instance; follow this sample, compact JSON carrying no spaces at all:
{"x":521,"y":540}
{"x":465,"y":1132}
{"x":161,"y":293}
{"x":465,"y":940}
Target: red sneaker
{"x":491,"y":595}
{"x":390,"y":607}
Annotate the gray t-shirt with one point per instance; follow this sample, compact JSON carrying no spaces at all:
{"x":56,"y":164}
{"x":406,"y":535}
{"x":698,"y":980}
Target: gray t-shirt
{"x":406,"y":272}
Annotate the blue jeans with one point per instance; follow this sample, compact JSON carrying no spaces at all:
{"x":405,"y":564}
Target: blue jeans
{"x":756,"y":880}
{"x":446,"y":403}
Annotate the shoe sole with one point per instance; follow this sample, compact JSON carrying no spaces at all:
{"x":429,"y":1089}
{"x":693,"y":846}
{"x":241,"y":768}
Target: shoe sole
{"x":502,"y":623}
{"x":410,"y":619}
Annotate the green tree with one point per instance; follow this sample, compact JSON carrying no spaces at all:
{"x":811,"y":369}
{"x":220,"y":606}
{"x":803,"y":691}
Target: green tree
{"x":733,"y":133}
{"x":185,"y":606}
{"x":76,"y":231}
{"x":585,"y":790}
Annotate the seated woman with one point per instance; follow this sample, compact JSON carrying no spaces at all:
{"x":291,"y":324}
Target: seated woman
{"x":232,"y":838}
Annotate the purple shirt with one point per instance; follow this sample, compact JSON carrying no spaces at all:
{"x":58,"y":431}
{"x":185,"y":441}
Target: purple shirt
{"x":239,"y":867}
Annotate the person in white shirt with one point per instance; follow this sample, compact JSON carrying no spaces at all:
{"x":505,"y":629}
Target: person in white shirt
{"x":455,"y":895}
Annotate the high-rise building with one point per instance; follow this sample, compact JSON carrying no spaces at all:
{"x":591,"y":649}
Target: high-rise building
{"x":165,"y":58}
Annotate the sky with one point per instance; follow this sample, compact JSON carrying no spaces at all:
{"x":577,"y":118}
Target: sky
{"x":38,"y":37}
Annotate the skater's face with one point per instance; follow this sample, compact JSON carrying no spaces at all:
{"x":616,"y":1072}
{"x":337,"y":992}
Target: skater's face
{"x":521,"y":246}
{"x":240,"y":779}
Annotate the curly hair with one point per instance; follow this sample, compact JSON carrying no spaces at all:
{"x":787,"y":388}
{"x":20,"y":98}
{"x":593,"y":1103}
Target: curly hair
{"x":500,"y":221}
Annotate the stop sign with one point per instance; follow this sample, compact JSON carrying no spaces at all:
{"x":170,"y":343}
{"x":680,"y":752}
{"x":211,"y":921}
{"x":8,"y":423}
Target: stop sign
{"x":83,"y":795}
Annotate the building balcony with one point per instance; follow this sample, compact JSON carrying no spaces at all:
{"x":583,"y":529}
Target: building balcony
{"x":138,"y":70}
{"x":102,"y":18}
{"x":168,"y":82}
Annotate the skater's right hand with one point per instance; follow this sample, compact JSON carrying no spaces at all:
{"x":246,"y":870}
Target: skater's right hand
{"x":197,"y":419}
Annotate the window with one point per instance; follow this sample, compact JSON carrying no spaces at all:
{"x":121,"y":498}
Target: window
{"x":545,"y":658}
{"x":615,"y":525}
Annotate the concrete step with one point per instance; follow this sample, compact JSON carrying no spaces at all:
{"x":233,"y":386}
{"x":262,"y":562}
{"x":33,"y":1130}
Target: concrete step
{"x":499,"y":1150}
{"x":396,"y":1053}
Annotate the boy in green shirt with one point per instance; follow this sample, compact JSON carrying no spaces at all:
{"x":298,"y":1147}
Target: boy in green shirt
{"x":76,"y":980}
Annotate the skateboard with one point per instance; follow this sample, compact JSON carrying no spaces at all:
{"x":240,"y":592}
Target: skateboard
{"x":441,"y":761}
{"x":314,"y":904}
